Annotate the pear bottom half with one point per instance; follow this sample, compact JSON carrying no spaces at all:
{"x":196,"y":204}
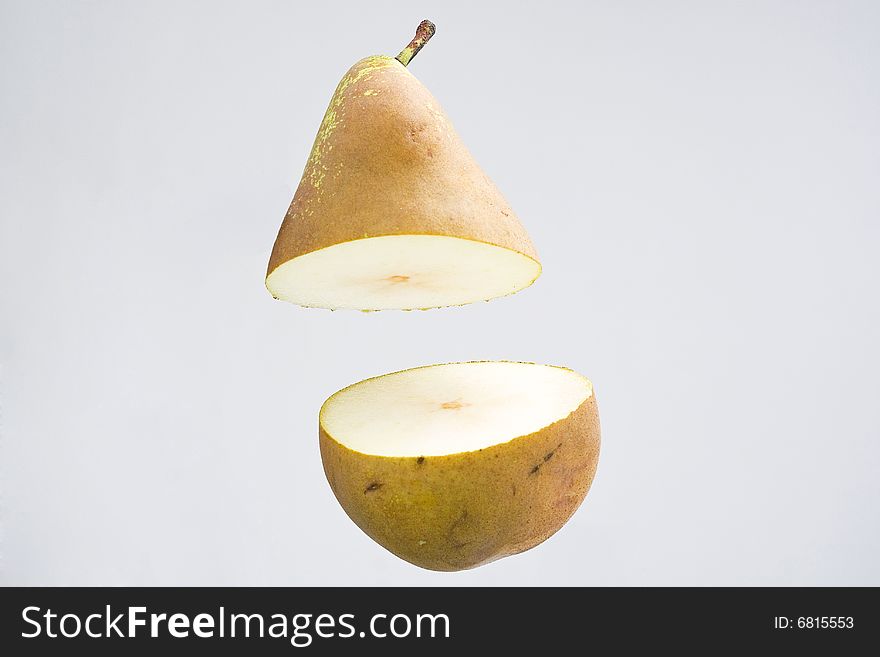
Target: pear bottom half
{"x":453,"y":466}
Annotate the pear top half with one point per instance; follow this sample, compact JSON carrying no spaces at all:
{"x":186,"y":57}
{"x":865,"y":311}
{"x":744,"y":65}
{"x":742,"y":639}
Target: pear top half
{"x":387,"y":162}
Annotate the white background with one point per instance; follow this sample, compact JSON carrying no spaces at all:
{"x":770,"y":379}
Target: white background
{"x":700,"y":179}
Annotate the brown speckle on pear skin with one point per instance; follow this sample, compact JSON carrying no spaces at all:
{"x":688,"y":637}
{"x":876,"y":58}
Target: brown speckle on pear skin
{"x":459,"y":524}
{"x":372,"y":487}
{"x":547,"y":457}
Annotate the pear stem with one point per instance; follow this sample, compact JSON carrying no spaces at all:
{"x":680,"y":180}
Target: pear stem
{"x":424,"y":32}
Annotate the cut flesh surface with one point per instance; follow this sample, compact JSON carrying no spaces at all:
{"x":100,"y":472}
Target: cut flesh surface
{"x":406,"y":272}
{"x":448,"y":409}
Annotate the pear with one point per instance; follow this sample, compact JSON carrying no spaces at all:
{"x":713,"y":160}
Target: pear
{"x":392,"y":212}
{"x":453,"y":466}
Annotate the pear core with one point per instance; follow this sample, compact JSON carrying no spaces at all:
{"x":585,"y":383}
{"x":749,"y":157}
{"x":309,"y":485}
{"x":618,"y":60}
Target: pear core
{"x":407,"y":272}
{"x":448,"y":409}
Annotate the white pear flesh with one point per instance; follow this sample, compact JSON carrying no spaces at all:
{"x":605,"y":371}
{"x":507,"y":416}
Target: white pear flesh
{"x":448,"y":409}
{"x":405,"y":272}
{"x":452,"y":466}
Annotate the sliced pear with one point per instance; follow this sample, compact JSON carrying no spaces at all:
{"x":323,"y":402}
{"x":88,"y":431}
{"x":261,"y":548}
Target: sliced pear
{"x":453,"y":466}
{"x":392,"y":210}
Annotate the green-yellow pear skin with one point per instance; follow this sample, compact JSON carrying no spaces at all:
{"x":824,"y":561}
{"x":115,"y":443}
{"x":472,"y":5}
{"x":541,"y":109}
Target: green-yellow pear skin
{"x":459,"y":511}
{"x":387,"y":161}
